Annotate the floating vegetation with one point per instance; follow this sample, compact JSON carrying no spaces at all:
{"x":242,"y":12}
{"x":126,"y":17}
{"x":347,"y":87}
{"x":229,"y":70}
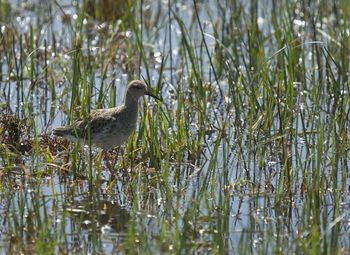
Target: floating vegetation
{"x":14,"y":135}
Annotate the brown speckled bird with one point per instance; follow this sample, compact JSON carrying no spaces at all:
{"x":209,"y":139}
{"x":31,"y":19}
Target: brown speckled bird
{"x":109,"y":127}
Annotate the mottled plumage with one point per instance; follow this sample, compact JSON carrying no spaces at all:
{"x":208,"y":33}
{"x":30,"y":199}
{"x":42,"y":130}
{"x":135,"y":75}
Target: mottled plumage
{"x":109,"y":127}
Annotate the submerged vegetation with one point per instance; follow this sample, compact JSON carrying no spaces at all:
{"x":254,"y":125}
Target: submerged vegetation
{"x":248,"y":153}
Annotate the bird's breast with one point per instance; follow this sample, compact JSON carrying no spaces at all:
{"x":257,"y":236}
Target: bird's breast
{"x":117,"y":131}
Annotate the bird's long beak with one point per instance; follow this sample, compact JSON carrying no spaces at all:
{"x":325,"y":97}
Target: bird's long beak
{"x":152,"y":95}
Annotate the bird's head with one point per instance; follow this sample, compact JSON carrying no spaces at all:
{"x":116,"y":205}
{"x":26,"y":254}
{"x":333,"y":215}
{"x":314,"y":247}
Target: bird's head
{"x":138,"y":89}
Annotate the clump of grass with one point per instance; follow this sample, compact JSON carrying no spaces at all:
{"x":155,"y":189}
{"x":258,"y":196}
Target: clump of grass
{"x":106,"y":10}
{"x":5,"y":12}
{"x":14,"y":133}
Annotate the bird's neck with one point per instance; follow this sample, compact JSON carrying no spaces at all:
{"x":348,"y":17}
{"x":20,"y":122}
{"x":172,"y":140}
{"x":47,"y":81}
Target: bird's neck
{"x":131,"y":102}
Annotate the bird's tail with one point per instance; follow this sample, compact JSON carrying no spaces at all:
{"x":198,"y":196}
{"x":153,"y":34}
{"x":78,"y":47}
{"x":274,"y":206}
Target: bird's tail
{"x":62,"y":131}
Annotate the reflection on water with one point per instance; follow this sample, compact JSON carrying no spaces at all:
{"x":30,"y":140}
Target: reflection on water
{"x":222,"y":181}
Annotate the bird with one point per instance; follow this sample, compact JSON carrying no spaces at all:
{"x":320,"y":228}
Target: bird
{"x":109,"y":127}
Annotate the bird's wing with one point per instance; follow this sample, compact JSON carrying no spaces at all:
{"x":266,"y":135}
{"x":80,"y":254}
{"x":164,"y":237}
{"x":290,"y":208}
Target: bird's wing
{"x":96,"y":121}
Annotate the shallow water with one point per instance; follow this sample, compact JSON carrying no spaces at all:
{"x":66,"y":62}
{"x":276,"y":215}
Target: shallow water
{"x":247,"y":188}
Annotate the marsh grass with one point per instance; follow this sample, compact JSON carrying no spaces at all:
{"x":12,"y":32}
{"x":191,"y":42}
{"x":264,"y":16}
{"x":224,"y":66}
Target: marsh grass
{"x":248,"y":153}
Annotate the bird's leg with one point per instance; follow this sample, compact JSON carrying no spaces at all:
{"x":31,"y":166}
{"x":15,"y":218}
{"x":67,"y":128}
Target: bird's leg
{"x":117,"y":150}
{"x":120,"y":151}
{"x":109,"y":166}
